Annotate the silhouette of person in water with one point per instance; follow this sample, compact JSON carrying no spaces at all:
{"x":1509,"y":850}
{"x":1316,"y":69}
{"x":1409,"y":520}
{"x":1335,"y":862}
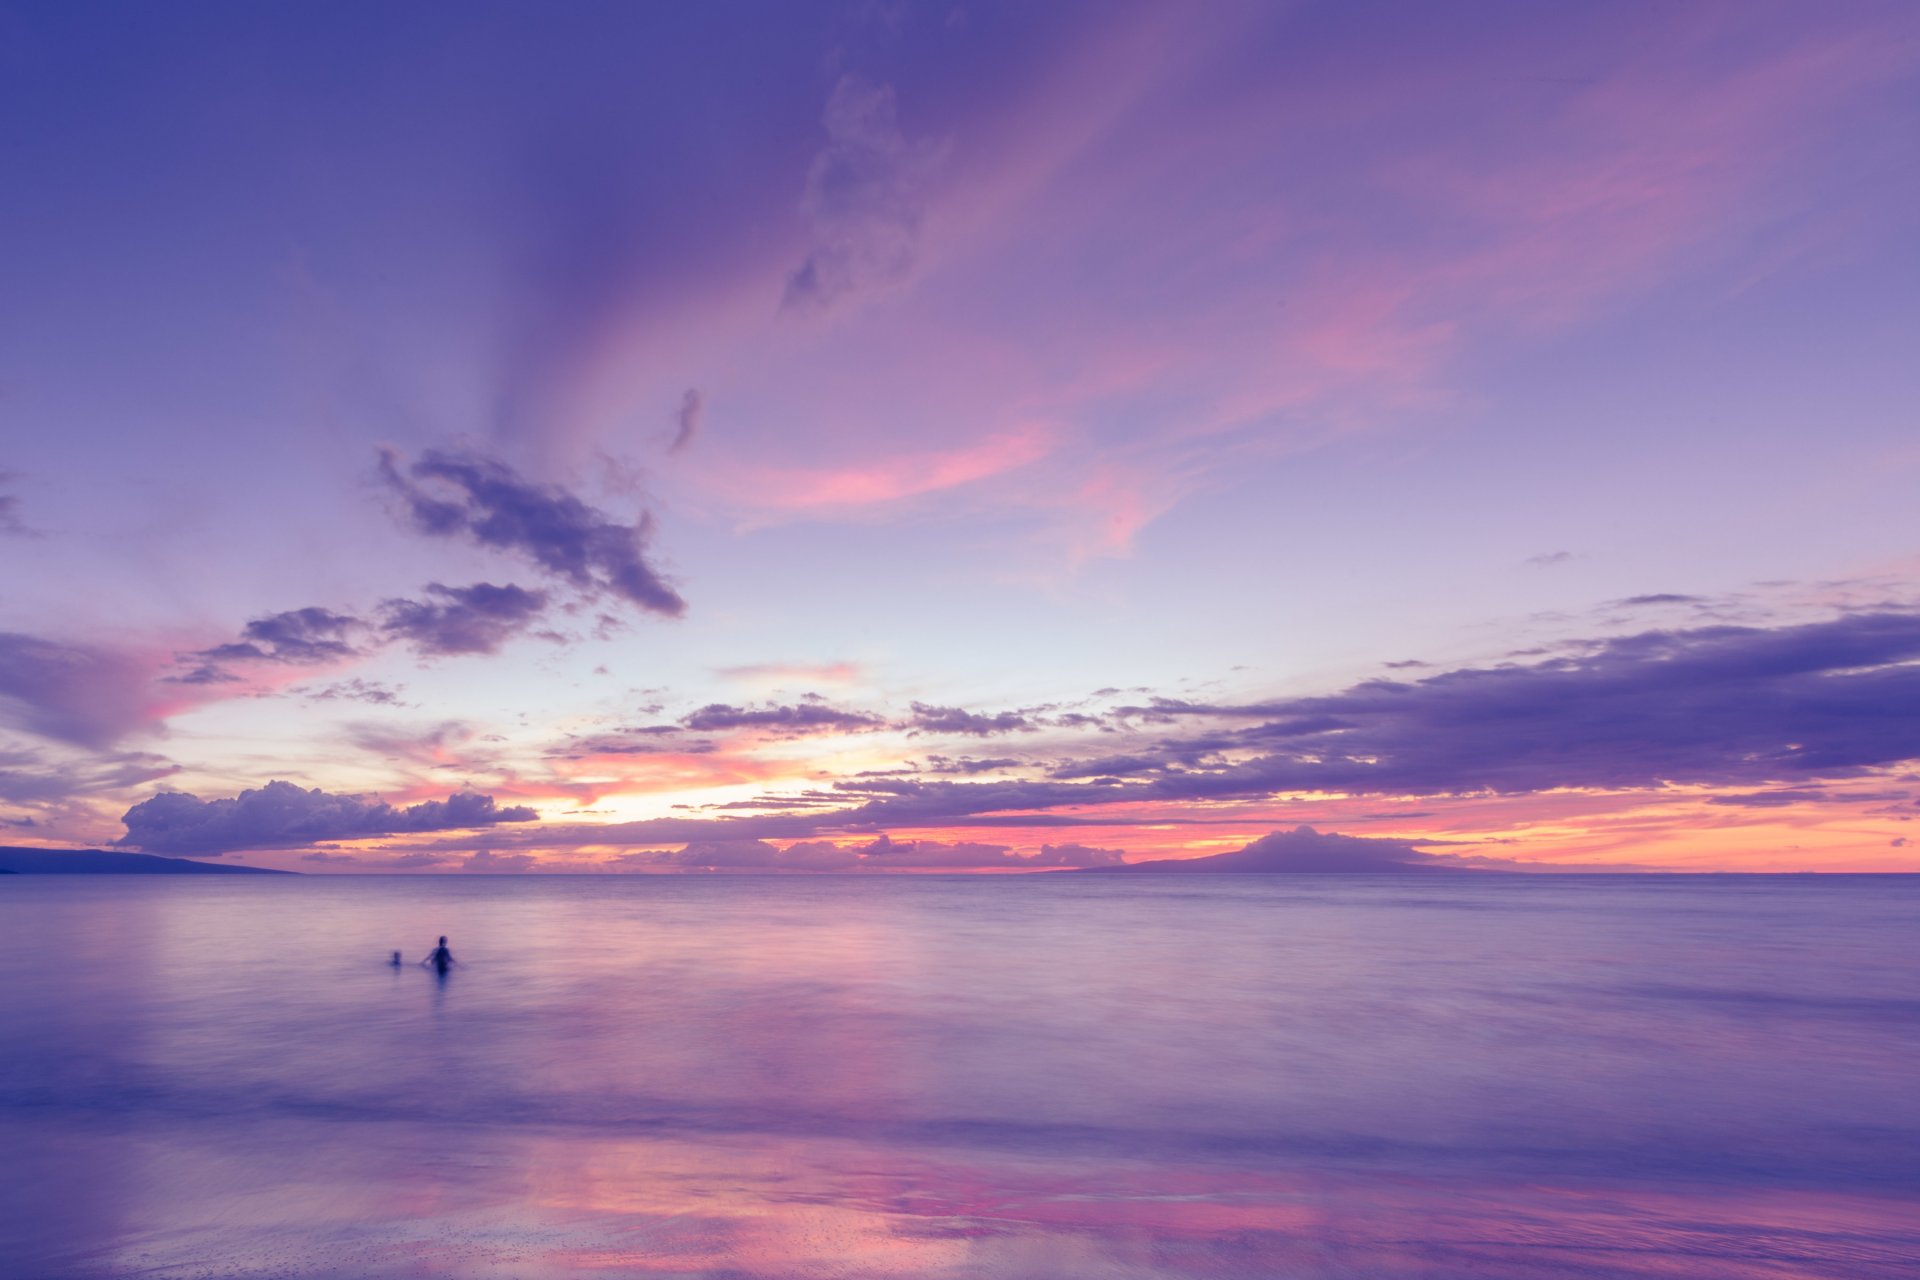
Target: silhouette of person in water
{"x":396,"y":961}
{"x":440,"y":959}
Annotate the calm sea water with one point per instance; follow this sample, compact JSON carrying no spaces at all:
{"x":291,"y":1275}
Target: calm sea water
{"x":1061,"y":1076}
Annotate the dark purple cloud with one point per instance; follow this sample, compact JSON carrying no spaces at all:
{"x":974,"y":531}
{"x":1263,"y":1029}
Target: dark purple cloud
{"x":464,"y":495}
{"x":1714,"y":706}
{"x":281,"y":814}
{"x":75,"y":693}
{"x":298,"y":636}
{"x":473,"y":619}
{"x":1303,"y":850}
{"x":452,"y":620}
{"x":807,"y":716}
{"x":1710,"y":706}
{"x":932,"y":719}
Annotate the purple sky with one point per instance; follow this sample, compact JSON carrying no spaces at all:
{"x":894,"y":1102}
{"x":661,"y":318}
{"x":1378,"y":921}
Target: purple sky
{"x":636,"y":437}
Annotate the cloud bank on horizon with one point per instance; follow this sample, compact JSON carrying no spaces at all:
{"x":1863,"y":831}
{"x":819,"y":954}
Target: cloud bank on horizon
{"x":989,"y":438}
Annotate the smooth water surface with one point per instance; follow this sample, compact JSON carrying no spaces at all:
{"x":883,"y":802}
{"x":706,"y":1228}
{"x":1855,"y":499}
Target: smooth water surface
{"x":1056,"y":1076}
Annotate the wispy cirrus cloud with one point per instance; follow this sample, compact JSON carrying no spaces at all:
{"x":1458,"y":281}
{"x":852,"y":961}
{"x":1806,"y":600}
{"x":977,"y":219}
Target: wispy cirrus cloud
{"x":880,"y":479}
{"x":87,"y":695}
{"x":866,"y":196}
{"x":1229,"y":318}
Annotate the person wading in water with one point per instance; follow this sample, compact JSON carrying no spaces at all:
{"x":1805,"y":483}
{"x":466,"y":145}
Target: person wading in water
{"x":440,"y":959}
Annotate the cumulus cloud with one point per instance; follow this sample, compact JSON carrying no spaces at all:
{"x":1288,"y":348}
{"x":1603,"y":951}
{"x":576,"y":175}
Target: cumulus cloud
{"x":687,"y":419}
{"x":724,"y":854}
{"x":1077,"y":855}
{"x":932,"y":719}
{"x":462,"y":495}
{"x":819,"y":855}
{"x":487,"y":862}
{"x":1304,"y":850}
{"x":473,"y":619}
{"x":281,"y":814}
{"x":865,"y":199}
{"x":74,"y":693}
{"x":47,"y":778}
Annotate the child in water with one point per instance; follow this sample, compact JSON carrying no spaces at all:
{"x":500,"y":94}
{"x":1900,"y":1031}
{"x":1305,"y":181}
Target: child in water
{"x":396,"y":961}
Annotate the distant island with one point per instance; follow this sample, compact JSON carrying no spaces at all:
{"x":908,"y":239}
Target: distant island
{"x":1301,"y":851}
{"x":45,"y":862}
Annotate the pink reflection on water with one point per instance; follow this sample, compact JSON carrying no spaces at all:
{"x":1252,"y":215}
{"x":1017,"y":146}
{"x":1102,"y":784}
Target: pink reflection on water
{"x":561,"y":1204}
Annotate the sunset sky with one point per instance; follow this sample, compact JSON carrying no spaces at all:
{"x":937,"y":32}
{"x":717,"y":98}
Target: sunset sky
{"x":642,"y":438}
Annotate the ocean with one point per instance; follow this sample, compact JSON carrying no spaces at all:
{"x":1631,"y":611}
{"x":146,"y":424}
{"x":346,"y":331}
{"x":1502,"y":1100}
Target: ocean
{"x":1001,"y":1078}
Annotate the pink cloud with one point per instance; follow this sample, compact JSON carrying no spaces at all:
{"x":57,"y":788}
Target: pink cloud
{"x":778,"y":673}
{"x":877,"y":481}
